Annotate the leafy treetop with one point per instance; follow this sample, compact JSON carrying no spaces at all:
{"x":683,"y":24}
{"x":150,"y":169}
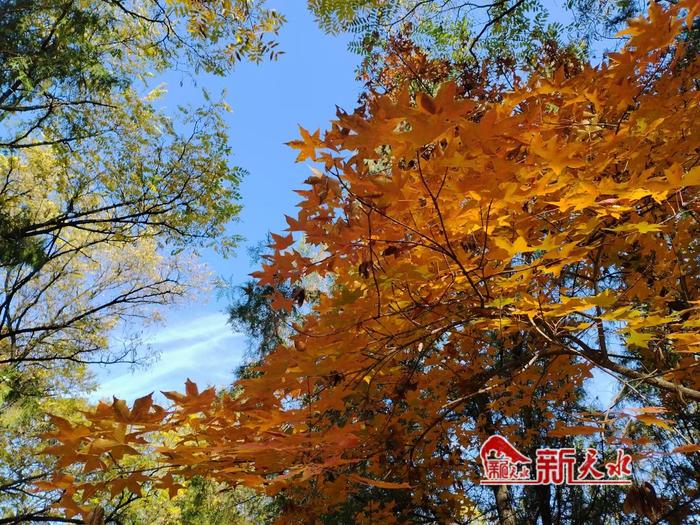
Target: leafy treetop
{"x":484,"y":257}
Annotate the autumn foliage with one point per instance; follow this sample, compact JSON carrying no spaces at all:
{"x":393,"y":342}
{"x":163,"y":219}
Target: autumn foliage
{"x":481,"y":260}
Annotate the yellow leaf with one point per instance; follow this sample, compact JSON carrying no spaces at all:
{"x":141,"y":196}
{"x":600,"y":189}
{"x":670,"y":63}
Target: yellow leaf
{"x":501,"y":302}
{"x":653,"y":420}
{"x":378,"y":483}
{"x":686,"y":449}
{"x":639,"y":227}
{"x":519,"y":246}
{"x":639,"y":339}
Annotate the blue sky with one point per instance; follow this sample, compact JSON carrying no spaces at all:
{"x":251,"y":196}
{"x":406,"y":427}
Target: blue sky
{"x":269,"y":101}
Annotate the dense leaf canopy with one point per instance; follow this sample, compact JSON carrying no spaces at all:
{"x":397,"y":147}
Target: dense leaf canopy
{"x":484,"y":258}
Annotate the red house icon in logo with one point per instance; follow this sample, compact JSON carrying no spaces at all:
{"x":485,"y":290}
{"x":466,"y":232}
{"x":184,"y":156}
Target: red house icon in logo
{"x":502,"y":461}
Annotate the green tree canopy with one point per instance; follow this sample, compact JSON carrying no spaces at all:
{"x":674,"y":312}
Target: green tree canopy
{"x":105,"y":199}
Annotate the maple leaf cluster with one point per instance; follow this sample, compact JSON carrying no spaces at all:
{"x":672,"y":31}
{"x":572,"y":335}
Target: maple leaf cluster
{"x":482,"y":258}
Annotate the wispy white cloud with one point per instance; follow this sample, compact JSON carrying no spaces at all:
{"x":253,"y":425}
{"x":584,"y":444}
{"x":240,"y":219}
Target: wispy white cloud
{"x":197,"y":328}
{"x":205,"y":350}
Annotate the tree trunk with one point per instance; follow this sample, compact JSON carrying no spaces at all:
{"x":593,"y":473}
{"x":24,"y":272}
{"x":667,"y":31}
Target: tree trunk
{"x":504,"y":501}
{"x":504,"y":505}
{"x":543,"y":497}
